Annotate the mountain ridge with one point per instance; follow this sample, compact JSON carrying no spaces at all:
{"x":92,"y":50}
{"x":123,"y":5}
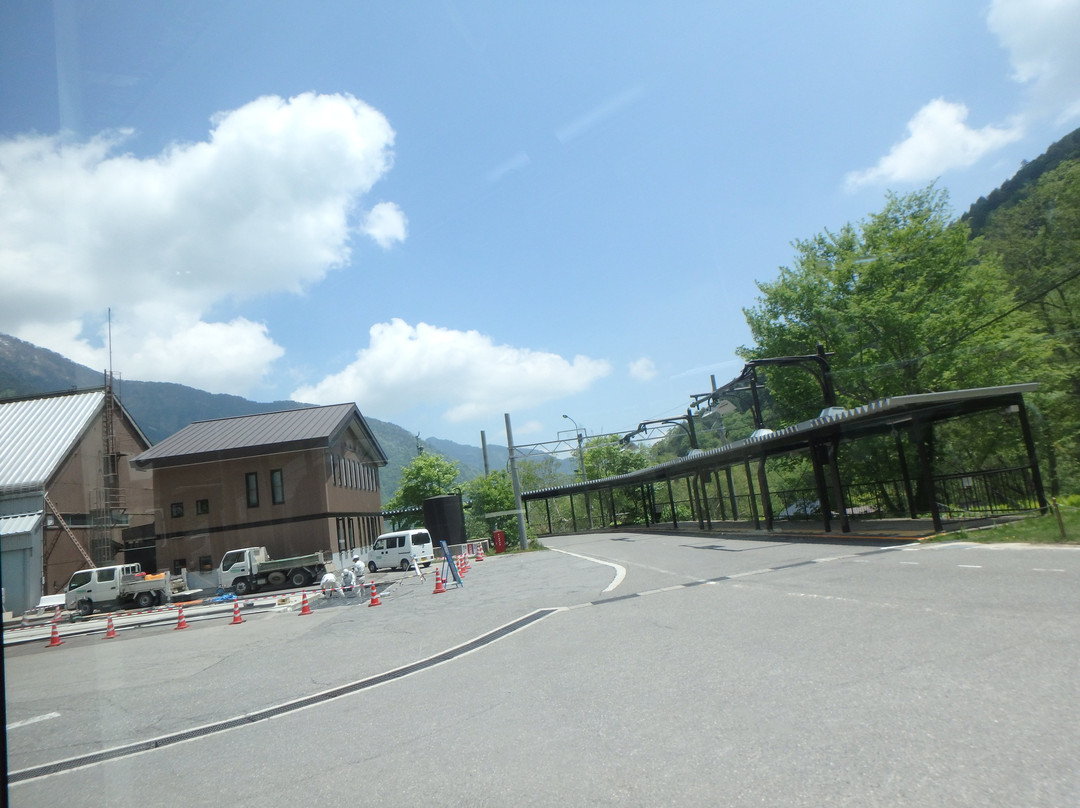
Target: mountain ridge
{"x":161,"y":409}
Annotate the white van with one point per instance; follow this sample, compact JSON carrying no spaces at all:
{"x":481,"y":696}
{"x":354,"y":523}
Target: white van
{"x":397,"y":550}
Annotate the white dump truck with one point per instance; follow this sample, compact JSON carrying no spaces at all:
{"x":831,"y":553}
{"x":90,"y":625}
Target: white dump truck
{"x":122,"y":586}
{"x":248,"y":569}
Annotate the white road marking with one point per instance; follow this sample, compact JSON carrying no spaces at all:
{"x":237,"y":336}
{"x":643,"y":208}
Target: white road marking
{"x":34,"y":720}
{"x":620,"y":571}
{"x":970,"y":566}
{"x":1039,"y":569}
{"x":912,"y":563}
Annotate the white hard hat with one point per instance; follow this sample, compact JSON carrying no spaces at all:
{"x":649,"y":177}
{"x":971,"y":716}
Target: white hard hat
{"x":356,"y":558}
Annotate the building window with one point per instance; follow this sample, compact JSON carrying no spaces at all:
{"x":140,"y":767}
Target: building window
{"x":206,"y":564}
{"x":202,"y":507}
{"x":341,"y":535}
{"x":277,"y":487}
{"x":252,"y":489}
{"x":176,"y":510}
{"x":178,"y":564}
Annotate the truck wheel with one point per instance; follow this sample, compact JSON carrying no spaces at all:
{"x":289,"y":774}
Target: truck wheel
{"x":405,"y":565}
{"x":144,"y":600}
{"x":299,"y":578}
{"x":276,"y":578}
{"x":241,"y":586}
{"x":372,"y":567}
{"x":85,"y":607}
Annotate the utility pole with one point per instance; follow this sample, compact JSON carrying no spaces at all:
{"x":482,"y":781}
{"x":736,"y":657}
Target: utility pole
{"x":522,"y":539}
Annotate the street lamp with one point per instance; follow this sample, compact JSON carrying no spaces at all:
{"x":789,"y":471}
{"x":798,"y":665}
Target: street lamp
{"x":581,"y":462}
{"x":580,"y":451}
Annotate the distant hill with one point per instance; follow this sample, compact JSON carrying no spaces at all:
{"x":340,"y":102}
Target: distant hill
{"x":161,"y":409}
{"x":1067,"y":148}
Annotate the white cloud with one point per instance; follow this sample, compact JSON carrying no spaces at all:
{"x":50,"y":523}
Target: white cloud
{"x":262,"y":206}
{"x":642,"y":370}
{"x":463,"y":371}
{"x":1041,"y":38}
{"x":938,"y":140}
{"x":385,"y":223}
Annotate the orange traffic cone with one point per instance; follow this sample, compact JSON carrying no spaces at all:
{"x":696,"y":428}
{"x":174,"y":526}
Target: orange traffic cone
{"x":480,"y":553}
{"x":440,"y":587}
{"x":55,"y":639}
{"x":304,"y":608}
{"x":374,"y":596}
{"x":180,"y":621}
{"x":236,"y":618}
{"x":110,"y":631}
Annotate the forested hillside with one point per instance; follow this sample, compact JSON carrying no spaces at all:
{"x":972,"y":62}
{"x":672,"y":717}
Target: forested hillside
{"x":913,"y":300}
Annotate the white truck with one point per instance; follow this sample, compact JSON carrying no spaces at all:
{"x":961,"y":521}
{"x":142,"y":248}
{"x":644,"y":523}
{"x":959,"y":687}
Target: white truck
{"x":249,"y":568}
{"x":122,"y":586}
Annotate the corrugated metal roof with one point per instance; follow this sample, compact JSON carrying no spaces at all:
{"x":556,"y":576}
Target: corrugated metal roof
{"x":256,"y":434}
{"x":36,"y":434}
{"x":23,"y":523}
{"x":877,"y":414}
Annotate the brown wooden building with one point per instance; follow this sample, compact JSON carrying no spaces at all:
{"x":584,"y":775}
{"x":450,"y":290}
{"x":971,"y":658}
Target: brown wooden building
{"x":294,"y":481}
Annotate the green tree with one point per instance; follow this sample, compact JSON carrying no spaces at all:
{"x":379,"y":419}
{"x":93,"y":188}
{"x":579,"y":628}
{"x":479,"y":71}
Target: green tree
{"x":541,"y":472}
{"x":491,"y":494}
{"x":904,"y":303}
{"x":1038,"y":241}
{"x":428,"y":475}
{"x":607,"y":458}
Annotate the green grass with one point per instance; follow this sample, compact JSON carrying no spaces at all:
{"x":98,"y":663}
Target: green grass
{"x":1034,"y":530}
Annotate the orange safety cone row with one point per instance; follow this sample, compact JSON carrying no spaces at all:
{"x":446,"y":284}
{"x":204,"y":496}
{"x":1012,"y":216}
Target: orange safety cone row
{"x":55,"y":639}
{"x":236,"y":618}
{"x":304,"y":608}
{"x":180,"y":621}
{"x":110,"y":631}
{"x":440,"y":586}
{"x":374,"y":596}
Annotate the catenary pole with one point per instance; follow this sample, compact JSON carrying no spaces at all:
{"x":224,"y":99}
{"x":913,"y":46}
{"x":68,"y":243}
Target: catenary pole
{"x":523,"y":542}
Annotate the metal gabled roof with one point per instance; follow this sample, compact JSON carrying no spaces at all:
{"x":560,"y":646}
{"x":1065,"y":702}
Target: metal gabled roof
{"x":263,"y":433}
{"x":37,"y":434}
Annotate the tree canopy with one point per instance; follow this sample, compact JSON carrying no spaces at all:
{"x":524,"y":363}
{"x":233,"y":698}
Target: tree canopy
{"x":903,"y":301}
{"x":428,"y":475}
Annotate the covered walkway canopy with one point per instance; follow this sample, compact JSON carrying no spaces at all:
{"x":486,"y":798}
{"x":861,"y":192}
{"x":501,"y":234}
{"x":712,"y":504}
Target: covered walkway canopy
{"x":1015,"y":489}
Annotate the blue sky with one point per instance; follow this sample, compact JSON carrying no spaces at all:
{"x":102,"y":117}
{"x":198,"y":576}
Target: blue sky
{"x":447,"y":211}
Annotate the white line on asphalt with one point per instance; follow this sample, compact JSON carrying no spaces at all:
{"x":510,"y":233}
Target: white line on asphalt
{"x":1039,"y":569}
{"x":913,"y":563}
{"x":971,"y":566}
{"x":620,"y":571}
{"x":34,"y":720}
{"x":751,"y":572}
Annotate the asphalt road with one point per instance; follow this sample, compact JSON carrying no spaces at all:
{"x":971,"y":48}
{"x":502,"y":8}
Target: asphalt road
{"x":643,"y":670}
